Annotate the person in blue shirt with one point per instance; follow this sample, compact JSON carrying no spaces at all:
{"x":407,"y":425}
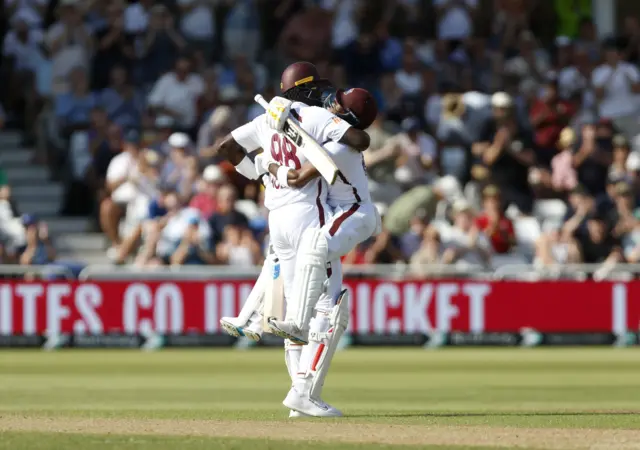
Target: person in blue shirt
{"x":73,"y":109}
{"x":123,"y":103}
{"x":38,"y":249}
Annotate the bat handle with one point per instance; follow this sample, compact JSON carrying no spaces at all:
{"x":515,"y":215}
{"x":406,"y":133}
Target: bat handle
{"x":259,"y":99}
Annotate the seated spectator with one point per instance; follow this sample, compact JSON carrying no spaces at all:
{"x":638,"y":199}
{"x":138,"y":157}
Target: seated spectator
{"x":114,"y":47}
{"x":380,"y":159}
{"x":455,"y":19}
{"x":593,"y":157}
{"x":205,"y":201}
{"x":122,"y":102}
{"x":616,"y":82}
{"x":185,"y":239}
{"x":104,"y":142}
{"x":21,"y":53}
{"x":418,"y":159}
{"x":70,"y":43}
{"x":409,"y":77}
{"x":625,"y":217}
{"x":226,"y":213}
{"x":158,"y":137}
{"x":238,"y":247}
{"x":176,"y":93}
{"x":136,"y":17}
{"x":121,"y":181}
{"x":599,"y":246}
{"x":493,"y":223}
{"x":554,"y":247}
{"x":464,"y":242}
{"x":379,"y":249}
{"x":216,"y":127}
{"x":180,"y":169}
{"x":549,"y":115}
{"x":197,"y":25}
{"x":73,"y":109}
{"x":454,"y":137}
{"x":563,"y":175}
{"x":505,"y":153}
{"x":161,"y":45}
{"x":38,"y":249}
{"x":621,"y":150}
{"x":411,"y":240}
{"x":31,"y":12}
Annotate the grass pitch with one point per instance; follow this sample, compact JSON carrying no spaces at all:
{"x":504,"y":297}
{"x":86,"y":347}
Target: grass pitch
{"x":393,"y":398}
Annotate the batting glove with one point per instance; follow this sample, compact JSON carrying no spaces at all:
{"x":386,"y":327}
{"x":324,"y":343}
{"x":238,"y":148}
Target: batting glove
{"x":278,"y":112}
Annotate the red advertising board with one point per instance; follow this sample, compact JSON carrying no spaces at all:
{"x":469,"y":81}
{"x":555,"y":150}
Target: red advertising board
{"x":377,"y":306}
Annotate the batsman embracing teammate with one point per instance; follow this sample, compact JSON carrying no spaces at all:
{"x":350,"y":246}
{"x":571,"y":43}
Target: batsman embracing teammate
{"x":294,"y":211}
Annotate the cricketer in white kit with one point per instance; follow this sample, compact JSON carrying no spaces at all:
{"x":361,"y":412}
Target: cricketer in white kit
{"x":354,"y":219}
{"x":291,"y":211}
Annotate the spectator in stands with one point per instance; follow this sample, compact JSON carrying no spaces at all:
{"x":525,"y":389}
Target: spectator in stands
{"x":616,"y":82}
{"x":593,"y":156}
{"x":178,"y":169}
{"x":555,"y":247}
{"x":32,"y":12}
{"x":493,"y":223}
{"x":161,"y":45}
{"x":217,"y":125}
{"x":123,"y":103}
{"x":100,"y":146}
{"x":307,"y":35}
{"x":621,"y":150}
{"x":380,"y":159}
{"x":176,"y":93}
{"x":455,"y":19}
{"x":73,"y":109}
{"x":205,"y":201}
{"x":39,"y":248}
{"x":418,"y":160}
{"x":241,"y":32}
{"x":411,"y":241}
{"x":194,"y":248}
{"x":563,"y":174}
{"x":599,"y":246}
{"x":136,"y":17}
{"x":361,"y":59}
{"x":198,"y":25}
{"x":121,"y":180}
{"x":238,"y":247}
{"x":454,"y":137}
{"x":464,"y":242}
{"x":505,"y":148}
{"x":226,"y":213}
{"x":624,"y":218}
{"x":158,"y":137}
{"x":549,"y":115}
{"x":114,"y":47}
{"x":70,"y":43}
{"x":21,"y":53}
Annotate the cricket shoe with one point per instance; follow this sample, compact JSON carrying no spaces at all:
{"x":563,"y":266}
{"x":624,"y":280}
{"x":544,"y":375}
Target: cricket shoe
{"x":302,"y":403}
{"x":293,"y":414}
{"x":252,"y":330}
{"x":287,"y":329}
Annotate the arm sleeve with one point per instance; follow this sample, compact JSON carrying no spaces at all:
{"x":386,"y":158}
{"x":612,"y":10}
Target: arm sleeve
{"x":247,"y":135}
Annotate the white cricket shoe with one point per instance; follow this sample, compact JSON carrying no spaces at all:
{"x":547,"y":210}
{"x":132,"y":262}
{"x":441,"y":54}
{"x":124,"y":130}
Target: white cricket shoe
{"x":312,"y":407}
{"x":252,"y":330}
{"x":293,"y":414}
{"x":287,"y":329}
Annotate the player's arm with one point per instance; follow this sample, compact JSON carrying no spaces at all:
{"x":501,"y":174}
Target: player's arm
{"x":295,"y":178}
{"x":356,"y":139}
{"x":237,"y":146}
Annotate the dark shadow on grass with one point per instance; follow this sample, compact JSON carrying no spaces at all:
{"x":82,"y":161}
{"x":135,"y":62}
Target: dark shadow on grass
{"x":500,"y":414}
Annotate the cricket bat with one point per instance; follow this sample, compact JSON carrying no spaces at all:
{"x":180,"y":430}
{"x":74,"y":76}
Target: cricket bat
{"x":274,"y":293}
{"x":313,"y":151}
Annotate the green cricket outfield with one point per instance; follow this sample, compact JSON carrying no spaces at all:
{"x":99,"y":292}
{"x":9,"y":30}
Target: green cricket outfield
{"x":574,"y":398}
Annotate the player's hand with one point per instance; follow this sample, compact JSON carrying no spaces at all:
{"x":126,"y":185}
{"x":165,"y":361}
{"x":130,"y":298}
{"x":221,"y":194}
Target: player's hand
{"x":261,"y":163}
{"x":278,"y":112}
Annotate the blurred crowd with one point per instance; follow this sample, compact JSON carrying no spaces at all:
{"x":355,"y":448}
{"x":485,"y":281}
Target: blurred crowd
{"x":508,"y":131}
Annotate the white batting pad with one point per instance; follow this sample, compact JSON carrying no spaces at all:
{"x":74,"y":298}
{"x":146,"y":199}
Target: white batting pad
{"x":311,"y":273}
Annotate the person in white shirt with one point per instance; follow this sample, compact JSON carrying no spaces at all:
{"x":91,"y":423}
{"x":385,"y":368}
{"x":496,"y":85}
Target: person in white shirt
{"x":176,"y":93}
{"x":419,"y":153}
{"x":463,"y":242}
{"x":198,"y":24}
{"x":409,"y":77}
{"x":455,"y":18}
{"x":22,"y":43}
{"x":121,"y":178}
{"x":617,"y":85}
